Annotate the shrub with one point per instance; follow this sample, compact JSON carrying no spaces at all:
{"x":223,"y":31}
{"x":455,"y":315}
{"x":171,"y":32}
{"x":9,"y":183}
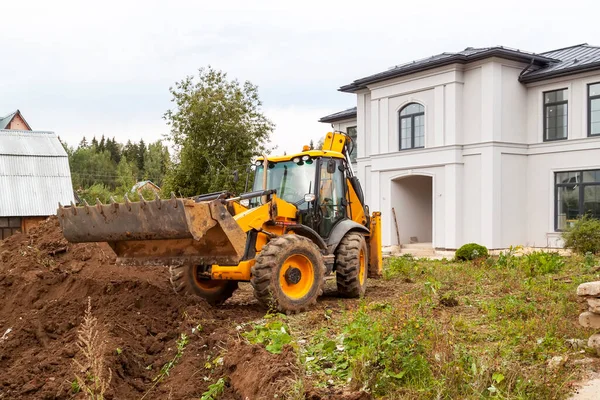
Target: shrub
{"x":471,"y":251}
{"x":542,"y":263}
{"x":584,"y":236}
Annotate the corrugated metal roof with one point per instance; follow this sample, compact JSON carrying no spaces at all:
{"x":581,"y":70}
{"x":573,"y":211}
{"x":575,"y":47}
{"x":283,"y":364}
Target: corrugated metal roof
{"x":341,"y":115}
{"x":34,"y":174}
{"x":30,"y":143}
{"x":573,"y":59}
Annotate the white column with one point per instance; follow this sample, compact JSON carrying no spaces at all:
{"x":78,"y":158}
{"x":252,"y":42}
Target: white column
{"x":491,"y":97}
{"x":361,"y":131}
{"x":439,"y":110}
{"x":491,"y":197}
{"x":453,"y":211}
{"x":374,"y":127}
{"x":384,"y":130}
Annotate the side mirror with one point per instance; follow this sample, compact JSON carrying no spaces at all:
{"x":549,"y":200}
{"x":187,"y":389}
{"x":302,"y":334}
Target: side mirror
{"x":309,"y":197}
{"x":331,"y":166}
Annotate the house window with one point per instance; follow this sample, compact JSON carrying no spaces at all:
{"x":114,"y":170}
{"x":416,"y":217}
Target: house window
{"x":351,"y":131}
{"x":577,"y":193}
{"x":555,"y":115}
{"x":9,"y":226}
{"x":594,"y":109}
{"x":412,"y":126}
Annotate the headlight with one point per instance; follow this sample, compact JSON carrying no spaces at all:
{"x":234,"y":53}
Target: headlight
{"x":305,"y":158}
{"x":245,"y":202}
{"x":296,"y":160}
{"x":258,"y":163}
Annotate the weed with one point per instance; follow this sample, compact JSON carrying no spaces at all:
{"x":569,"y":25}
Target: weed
{"x":374,"y":351}
{"x":75,"y":387}
{"x":542,"y":263}
{"x":91,"y":346}
{"x":166,"y":368}
{"x":214,"y":391}
{"x":515,"y":313}
{"x":273,"y":333}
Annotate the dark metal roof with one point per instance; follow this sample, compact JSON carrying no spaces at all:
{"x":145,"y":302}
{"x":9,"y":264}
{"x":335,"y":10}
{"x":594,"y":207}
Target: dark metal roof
{"x":573,"y":59}
{"x":339,"y":116}
{"x":469,"y":54}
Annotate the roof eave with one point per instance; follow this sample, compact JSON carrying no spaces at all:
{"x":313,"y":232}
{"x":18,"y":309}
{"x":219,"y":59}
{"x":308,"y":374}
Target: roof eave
{"x":337,"y":119}
{"x":456,"y":59}
{"x":560,"y":73}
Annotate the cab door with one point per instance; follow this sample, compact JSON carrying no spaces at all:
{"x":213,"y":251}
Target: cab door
{"x":331,"y":197}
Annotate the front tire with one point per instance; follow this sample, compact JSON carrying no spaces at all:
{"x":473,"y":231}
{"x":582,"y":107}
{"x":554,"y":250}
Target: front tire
{"x":288,"y":274}
{"x":187,"y":279}
{"x":351,"y":258}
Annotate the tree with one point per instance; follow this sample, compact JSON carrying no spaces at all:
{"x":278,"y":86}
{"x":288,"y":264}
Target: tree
{"x":125,"y":177}
{"x":311,"y":145}
{"x":141,"y":153}
{"x":217,"y":127}
{"x":83,"y":143}
{"x":320,"y":143}
{"x":102,"y":144}
{"x":156,"y":162}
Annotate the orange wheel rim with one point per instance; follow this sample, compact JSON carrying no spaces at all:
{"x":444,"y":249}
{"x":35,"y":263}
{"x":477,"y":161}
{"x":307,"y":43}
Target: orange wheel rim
{"x":209,"y":285}
{"x":296,"y":276}
{"x":361,"y":267}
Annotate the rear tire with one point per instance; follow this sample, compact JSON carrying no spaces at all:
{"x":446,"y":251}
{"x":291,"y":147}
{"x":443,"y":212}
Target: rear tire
{"x":186,"y":279}
{"x":289,"y":274}
{"x":351,"y":258}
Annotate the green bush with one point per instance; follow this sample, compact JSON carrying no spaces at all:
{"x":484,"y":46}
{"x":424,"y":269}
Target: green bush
{"x":584,"y":236}
{"x":471,"y":251}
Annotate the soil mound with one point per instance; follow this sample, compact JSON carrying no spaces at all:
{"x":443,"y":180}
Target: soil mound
{"x":257,"y":374}
{"x":45,"y":283}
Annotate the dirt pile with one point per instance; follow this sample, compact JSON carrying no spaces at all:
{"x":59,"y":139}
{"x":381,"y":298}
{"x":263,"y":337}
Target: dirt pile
{"x":44,"y":285}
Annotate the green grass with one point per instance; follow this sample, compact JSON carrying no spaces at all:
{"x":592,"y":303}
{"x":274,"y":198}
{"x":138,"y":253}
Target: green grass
{"x":471,"y":330}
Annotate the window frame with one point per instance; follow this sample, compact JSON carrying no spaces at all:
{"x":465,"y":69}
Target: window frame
{"x":556,"y":103}
{"x":589,"y":108}
{"x":412,"y":127}
{"x":581,"y":195}
{"x":355,"y":140}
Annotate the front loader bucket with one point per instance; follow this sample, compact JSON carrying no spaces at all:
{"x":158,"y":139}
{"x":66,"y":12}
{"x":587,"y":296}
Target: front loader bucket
{"x":159,"y":232}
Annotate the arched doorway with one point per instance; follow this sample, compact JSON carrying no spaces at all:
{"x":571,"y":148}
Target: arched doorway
{"x":412,"y":200}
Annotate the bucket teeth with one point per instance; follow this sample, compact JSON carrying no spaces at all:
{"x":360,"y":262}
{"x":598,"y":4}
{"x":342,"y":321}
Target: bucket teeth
{"x":174,"y":199}
{"x":73,"y":208}
{"x":86,"y":205}
{"x":142,"y":201}
{"x":114,"y":203}
{"x":99,"y":206}
{"x":127,"y":202}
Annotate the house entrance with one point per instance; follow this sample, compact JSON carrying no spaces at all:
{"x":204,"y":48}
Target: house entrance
{"x":412,"y":199}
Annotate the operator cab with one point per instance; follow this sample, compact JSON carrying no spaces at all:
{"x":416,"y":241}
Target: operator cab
{"x":314,"y":183}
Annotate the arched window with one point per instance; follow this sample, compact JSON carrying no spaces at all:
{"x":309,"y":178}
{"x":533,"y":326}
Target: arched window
{"x":412,"y":126}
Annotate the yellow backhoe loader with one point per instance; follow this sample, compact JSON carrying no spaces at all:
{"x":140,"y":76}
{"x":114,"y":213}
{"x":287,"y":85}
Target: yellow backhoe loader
{"x":304,"y":219}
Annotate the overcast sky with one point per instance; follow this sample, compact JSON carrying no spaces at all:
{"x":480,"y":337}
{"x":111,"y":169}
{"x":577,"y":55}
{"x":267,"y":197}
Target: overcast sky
{"x":91,"y":68}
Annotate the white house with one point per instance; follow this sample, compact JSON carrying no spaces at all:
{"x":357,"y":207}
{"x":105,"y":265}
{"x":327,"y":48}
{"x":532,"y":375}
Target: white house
{"x":489,"y":145}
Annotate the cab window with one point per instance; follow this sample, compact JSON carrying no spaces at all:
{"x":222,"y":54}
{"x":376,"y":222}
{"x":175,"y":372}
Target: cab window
{"x":331,"y":195}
